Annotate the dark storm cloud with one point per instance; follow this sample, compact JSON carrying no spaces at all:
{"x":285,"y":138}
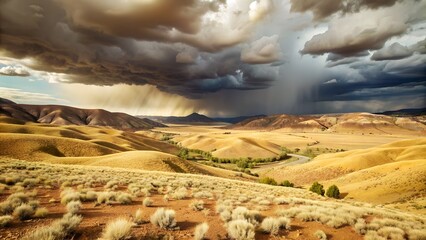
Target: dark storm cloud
{"x":263,"y":50}
{"x":156,"y":50}
{"x":320,"y":9}
{"x":383,"y":80}
{"x":380,"y":88}
{"x":325,"y":8}
{"x":393,"y":52}
{"x":366,"y":30}
{"x":343,"y":61}
{"x":107,"y":43}
{"x":336,"y":57}
{"x":419,"y":47}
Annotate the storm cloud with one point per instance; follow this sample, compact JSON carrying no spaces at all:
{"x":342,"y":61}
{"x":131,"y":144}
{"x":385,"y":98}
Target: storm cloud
{"x":264,"y":50}
{"x":219,"y":56}
{"x":135,"y":43}
{"x":393,"y":52}
{"x":326,"y":8}
{"x":367,"y":30}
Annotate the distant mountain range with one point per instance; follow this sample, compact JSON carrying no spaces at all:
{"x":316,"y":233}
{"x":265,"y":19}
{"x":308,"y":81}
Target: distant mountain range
{"x":404,"y":119}
{"x":406,"y":112}
{"x":350,"y":122}
{"x":64,"y":115}
{"x":196,"y":118}
{"x":234,"y":120}
{"x":193,"y":118}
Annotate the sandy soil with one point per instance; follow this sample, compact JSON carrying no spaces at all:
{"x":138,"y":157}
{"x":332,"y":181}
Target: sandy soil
{"x":96,"y":217}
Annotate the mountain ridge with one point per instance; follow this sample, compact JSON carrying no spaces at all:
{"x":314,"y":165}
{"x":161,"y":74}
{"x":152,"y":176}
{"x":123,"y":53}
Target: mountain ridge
{"x":349,"y":122}
{"x":66,"y":115}
{"x":193,"y":118}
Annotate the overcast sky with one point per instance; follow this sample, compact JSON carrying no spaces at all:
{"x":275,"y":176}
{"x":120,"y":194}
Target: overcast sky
{"x":220,"y":58}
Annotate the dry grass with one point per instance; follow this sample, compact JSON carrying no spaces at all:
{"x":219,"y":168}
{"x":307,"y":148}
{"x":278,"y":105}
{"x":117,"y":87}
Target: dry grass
{"x":236,"y":202}
{"x":320,"y":235}
{"x":197,"y":205}
{"x":147,"y":202}
{"x":41,"y":212}
{"x":118,"y":229}
{"x":5,"y":220}
{"x":138,"y":217}
{"x":200,"y":231}
{"x":124,"y":198}
{"x":57,"y":230}
{"x":23,"y":212}
{"x":273,"y":225}
{"x":241,"y":230}
{"x":394,"y":171}
{"x":164,"y":218}
{"x":74,"y":207}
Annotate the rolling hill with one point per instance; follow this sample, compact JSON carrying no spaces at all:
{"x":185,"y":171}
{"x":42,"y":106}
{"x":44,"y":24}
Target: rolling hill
{"x":391,"y":172}
{"x":95,"y":146}
{"x":65,"y":115}
{"x":366,"y":123}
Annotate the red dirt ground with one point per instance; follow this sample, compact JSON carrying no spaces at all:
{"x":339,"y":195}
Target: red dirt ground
{"x":96,"y":217}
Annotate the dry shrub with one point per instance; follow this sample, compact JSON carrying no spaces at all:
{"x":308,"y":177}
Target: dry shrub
{"x":124,"y":198}
{"x":68,"y":196}
{"x":320,"y":235}
{"x":180,"y":193}
{"x":106,"y":197}
{"x":197,"y":205}
{"x":147,"y":202}
{"x":138,"y":218}
{"x":5,"y":220}
{"x":273,"y":225}
{"x":240,"y":230}
{"x":13,"y":201}
{"x":164,"y":218}
{"x":200,"y":231}
{"x":57,"y":230}
{"x":74,"y":207}
{"x":118,"y":229}
{"x":203,"y":194}
{"x":242,"y":213}
{"x":41,"y":212}
{"x":23,"y":212}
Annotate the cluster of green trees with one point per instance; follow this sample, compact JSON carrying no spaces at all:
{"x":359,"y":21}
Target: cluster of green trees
{"x":271,"y":181}
{"x":243,"y":163}
{"x":249,"y":159}
{"x":332,"y":191}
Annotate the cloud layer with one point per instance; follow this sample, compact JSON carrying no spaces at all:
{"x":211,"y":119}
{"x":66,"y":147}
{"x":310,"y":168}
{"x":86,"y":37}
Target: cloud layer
{"x":254,"y":53}
{"x":367,"y":30}
{"x":161,"y":43}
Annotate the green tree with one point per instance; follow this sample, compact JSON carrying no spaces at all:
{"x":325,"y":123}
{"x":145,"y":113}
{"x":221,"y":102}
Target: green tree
{"x":183,"y":153}
{"x":317,"y":188}
{"x":333,"y":191}
{"x":243,"y":164}
{"x":268,"y":180}
{"x":287,"y":183}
